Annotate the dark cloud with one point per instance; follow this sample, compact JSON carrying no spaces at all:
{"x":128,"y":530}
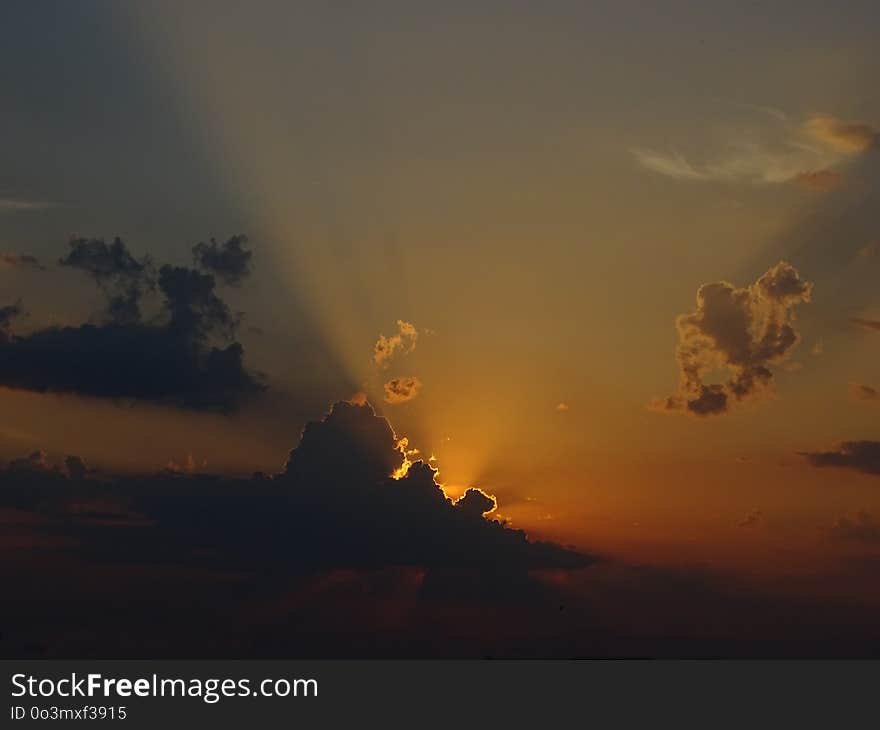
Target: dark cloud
{"x":859,"y":528}
{"x":8,"y":314}
{"x":37,"y":462}
{"x":123,"y":278}
{"x":862,"y":456}
{"x":186,"y":357}
{"x":476,"y":502}
{"x":401,"y":390}
{"x":743,"y":331}
{"x":195,"y":310}
{"x":9,"y":260}
{"x":231,"y":261}
{"x":76,"y":467}
{"x":751,"y":519}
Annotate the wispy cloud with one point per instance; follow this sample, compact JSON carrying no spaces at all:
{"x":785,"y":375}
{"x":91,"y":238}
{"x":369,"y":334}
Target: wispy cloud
{"x":12,"y":205}
{"x":777,"y":150}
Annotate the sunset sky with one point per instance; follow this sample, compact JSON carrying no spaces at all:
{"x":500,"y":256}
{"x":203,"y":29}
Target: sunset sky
{"x":528,"y":196}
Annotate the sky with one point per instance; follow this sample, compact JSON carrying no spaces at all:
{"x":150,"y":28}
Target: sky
{"x":628,"y":253}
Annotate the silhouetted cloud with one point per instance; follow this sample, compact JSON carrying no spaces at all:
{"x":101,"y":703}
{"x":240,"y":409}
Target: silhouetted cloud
{"x":187,"y":357}
{"x":9,"y":260}
{"x":751,"y":519}
{"x":476,"y":502}
{"x":75,"y":467}
{"x":401,"y":390}
{"x":230,"y":261}
{"x":744,"y":331}
{"x":862,"y":456}
{"x":404,"y":342}
{"x":8,"y":313}
{"x":37,"y":462}
{"x":859,"y":528}
{"x":123,"y":278}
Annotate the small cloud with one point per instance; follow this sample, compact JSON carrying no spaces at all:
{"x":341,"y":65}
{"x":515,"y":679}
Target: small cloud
{"x":670,"y":164}
{"x":751,"y":519}
{"x":860,"y":391}
{"x":849,"y":137}
{"x":76,"y":467}
{"x":231,"y":261}
{"x":817,"y":349}
{"x":863,"y":456}
{"x":17,"y":205}
{"x":9,"y":260}
{"x":401,"y":390}
{"x":859,"y":528}
{"x":562,"y":407}
{"x":37,"y":462}
{"x":818,"y":180}
{"x":868,"y":324}
{"x":386,"y":347}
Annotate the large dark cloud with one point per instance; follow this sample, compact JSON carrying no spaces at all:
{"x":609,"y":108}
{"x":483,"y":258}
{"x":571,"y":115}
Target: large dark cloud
{"x":186,"y":356}
{"x":231,"y":261}
{"x":346,"y":498}
{"x":743,"y":331}
{"x":862,"y":456}
{"x":330,"y":559}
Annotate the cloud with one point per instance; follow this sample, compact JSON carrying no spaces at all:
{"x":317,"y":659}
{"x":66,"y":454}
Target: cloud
{"x":123,"y":278}
{"x":562,"y":407}
{"x":186,"y":357}
{"x":401,"y":390}
{"x":818,"y":180}
{"x":671,"y":165}
{"x":859,"y":528}
{"x":342,"y":476}
{"x":862,"y":456}
{"x":76,"y":467}
{"x":37,"y":462}
{"x":23,"y":206}
{"x":860,"y":391}
{"x":868,"y":324}
{"x":774,"y":150}
{"x":476,"y":502}
{"x":741,"y":331}
{"x":9,"y":260}
{"x":848,"y":137}
{"x":335,"y":505}
{"x":751,"y":519}
{"x":231,"y":261}
{"x":386,"y":347}
{"x":8,"y":314}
